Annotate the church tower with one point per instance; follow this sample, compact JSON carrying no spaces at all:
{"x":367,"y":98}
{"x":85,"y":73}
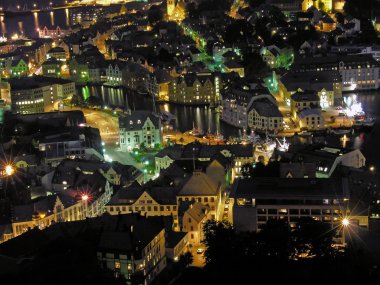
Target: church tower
{"x":170,"y":7}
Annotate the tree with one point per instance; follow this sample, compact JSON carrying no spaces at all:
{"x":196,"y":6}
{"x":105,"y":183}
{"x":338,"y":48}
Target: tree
{"x":186,"y":259}
{"x":247,"y":170}
{"x":155,"y":14}
{"x":94,"y":102}
{"x":238,"y":31}
{"x":312,"y":238}
{"x":219,"y":240}
{"x":77,"y":100}
{"x":256,"y":3}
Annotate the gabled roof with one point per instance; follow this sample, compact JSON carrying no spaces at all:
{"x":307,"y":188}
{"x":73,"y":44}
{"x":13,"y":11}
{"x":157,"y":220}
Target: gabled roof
{"x":198,"y":211}
{"x":135,"y":117}
{"x":199,"y":184}
{"x":306,"y":96}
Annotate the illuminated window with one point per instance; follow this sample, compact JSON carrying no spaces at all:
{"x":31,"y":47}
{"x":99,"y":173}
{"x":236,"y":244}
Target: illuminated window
{"x":117,"y":265}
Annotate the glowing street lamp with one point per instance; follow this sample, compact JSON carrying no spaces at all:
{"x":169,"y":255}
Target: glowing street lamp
{"x":9,"y":170}
{"x":372,"y":168}
{"x":85,"y":197}
{"x":345,"y":222}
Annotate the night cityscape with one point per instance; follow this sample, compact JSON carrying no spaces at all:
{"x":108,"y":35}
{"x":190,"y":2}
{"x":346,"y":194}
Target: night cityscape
{"x":178,"y":142}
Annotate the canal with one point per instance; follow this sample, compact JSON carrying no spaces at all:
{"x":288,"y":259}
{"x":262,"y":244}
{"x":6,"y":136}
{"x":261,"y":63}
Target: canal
{"x":208,"y":120}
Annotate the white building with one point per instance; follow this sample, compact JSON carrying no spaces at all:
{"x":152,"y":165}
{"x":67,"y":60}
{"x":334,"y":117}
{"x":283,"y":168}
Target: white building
{"x":359,"y":71}
{"x":39,"y":94}
{"x":137,"y":128}
{"x":264,"y":115}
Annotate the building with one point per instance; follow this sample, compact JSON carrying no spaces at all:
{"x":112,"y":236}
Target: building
{"x":264,"y":115}
{"x":201,"y":188}
{"x":303,"y":100}
{"x":327,"y":158}
{"x":175,"y":10}
{"x":147,"y":201}
{"x":58,"y":53}
{"x":126,"y":73}
{"x":327,"y":84}
{"x":311,"y":119}
{"x":19,"y":68}
{"x":358,"y":72}
{"x":195,"y":89}
{"x":139,"y":128}
{"x":193,"y":220}
{"x":52,"y":67}
{"x":177,"y":243}
{"x":275,"y":57}
{"x":87,"y":200}
{"x":66,"y":173}
{"x":235,"y":106}
{"x":134,"y":249}
{"x":233,"y":157}
{"x":54,"y":33}
{"x":70,"y":142}
{"x":233,"y":66}
{"x":158,"y":85}
{"x":39,"y":94}
{"x":255,"y":201}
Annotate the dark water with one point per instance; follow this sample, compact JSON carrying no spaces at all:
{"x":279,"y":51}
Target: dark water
{"x":27,"y":25}
{"x":207,"y":119}
{"x":187,"y":116}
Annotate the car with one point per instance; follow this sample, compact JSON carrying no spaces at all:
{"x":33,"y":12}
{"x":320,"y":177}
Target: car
{"x":200,"y":250}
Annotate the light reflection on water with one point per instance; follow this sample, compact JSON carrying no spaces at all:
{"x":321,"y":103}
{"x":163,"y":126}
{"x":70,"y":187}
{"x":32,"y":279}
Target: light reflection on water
{"x":207,"y":119}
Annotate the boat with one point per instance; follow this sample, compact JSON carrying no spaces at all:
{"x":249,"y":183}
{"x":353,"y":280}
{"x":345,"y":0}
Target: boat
{"x":254,"y":138}
{"x":340,"y":132}
{"x":282,"y":146}
{"x":16,"y":11}
{"x":305,"y":134}
{"x":196,"y":132}
{"x":362,"y":121}
{"x":167,"y":117}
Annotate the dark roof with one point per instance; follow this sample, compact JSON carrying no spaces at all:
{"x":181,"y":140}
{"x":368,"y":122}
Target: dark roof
{"x":264,"y":107}
{"x":135,"y":117}
{"x":199,"y":184}
{"x":290,"y":188}
{"x":35,"y":82}
{"x":307,"y":96}
{"x":173,"y":238}
{"x":311,"y":80}
{"x":232,"y":64}
{"x":130,"y":234}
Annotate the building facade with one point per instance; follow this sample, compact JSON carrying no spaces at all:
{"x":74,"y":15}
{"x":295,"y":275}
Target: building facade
{"x":139,"y":128}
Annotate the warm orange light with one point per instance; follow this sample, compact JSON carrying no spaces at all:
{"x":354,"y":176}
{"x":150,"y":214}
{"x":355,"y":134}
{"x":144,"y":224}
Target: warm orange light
{"x":9,"y":170}
{"x":85,"y":197}
{"x":345,"y":222}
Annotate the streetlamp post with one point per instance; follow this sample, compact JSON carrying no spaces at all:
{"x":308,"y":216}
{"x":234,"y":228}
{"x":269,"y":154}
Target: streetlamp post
{"x":345,"y":224}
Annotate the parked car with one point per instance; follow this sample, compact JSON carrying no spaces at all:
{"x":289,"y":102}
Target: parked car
{"x":200,"y":250}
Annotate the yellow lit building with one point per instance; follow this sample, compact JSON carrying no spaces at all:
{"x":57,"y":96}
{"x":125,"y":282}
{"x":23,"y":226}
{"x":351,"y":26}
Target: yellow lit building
{"x":175,"y":10}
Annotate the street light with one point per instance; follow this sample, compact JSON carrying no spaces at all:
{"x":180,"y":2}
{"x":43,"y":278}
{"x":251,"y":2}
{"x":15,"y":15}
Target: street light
{"x":345,"y":222}
{"x":9,"y":170}
{"x":372,"y":168}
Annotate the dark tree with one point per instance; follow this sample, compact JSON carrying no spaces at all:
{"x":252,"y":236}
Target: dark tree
{"x":219,"y":240}
{"x":77,"y":100}
{"x":155,"y":14}
{"x":313,"y":238}
{"x":238,"y":31}
{"x":186,"y":259}
{"x":164,"y":55}
{"x":94,"y":102}
{"x":256,"y":3}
